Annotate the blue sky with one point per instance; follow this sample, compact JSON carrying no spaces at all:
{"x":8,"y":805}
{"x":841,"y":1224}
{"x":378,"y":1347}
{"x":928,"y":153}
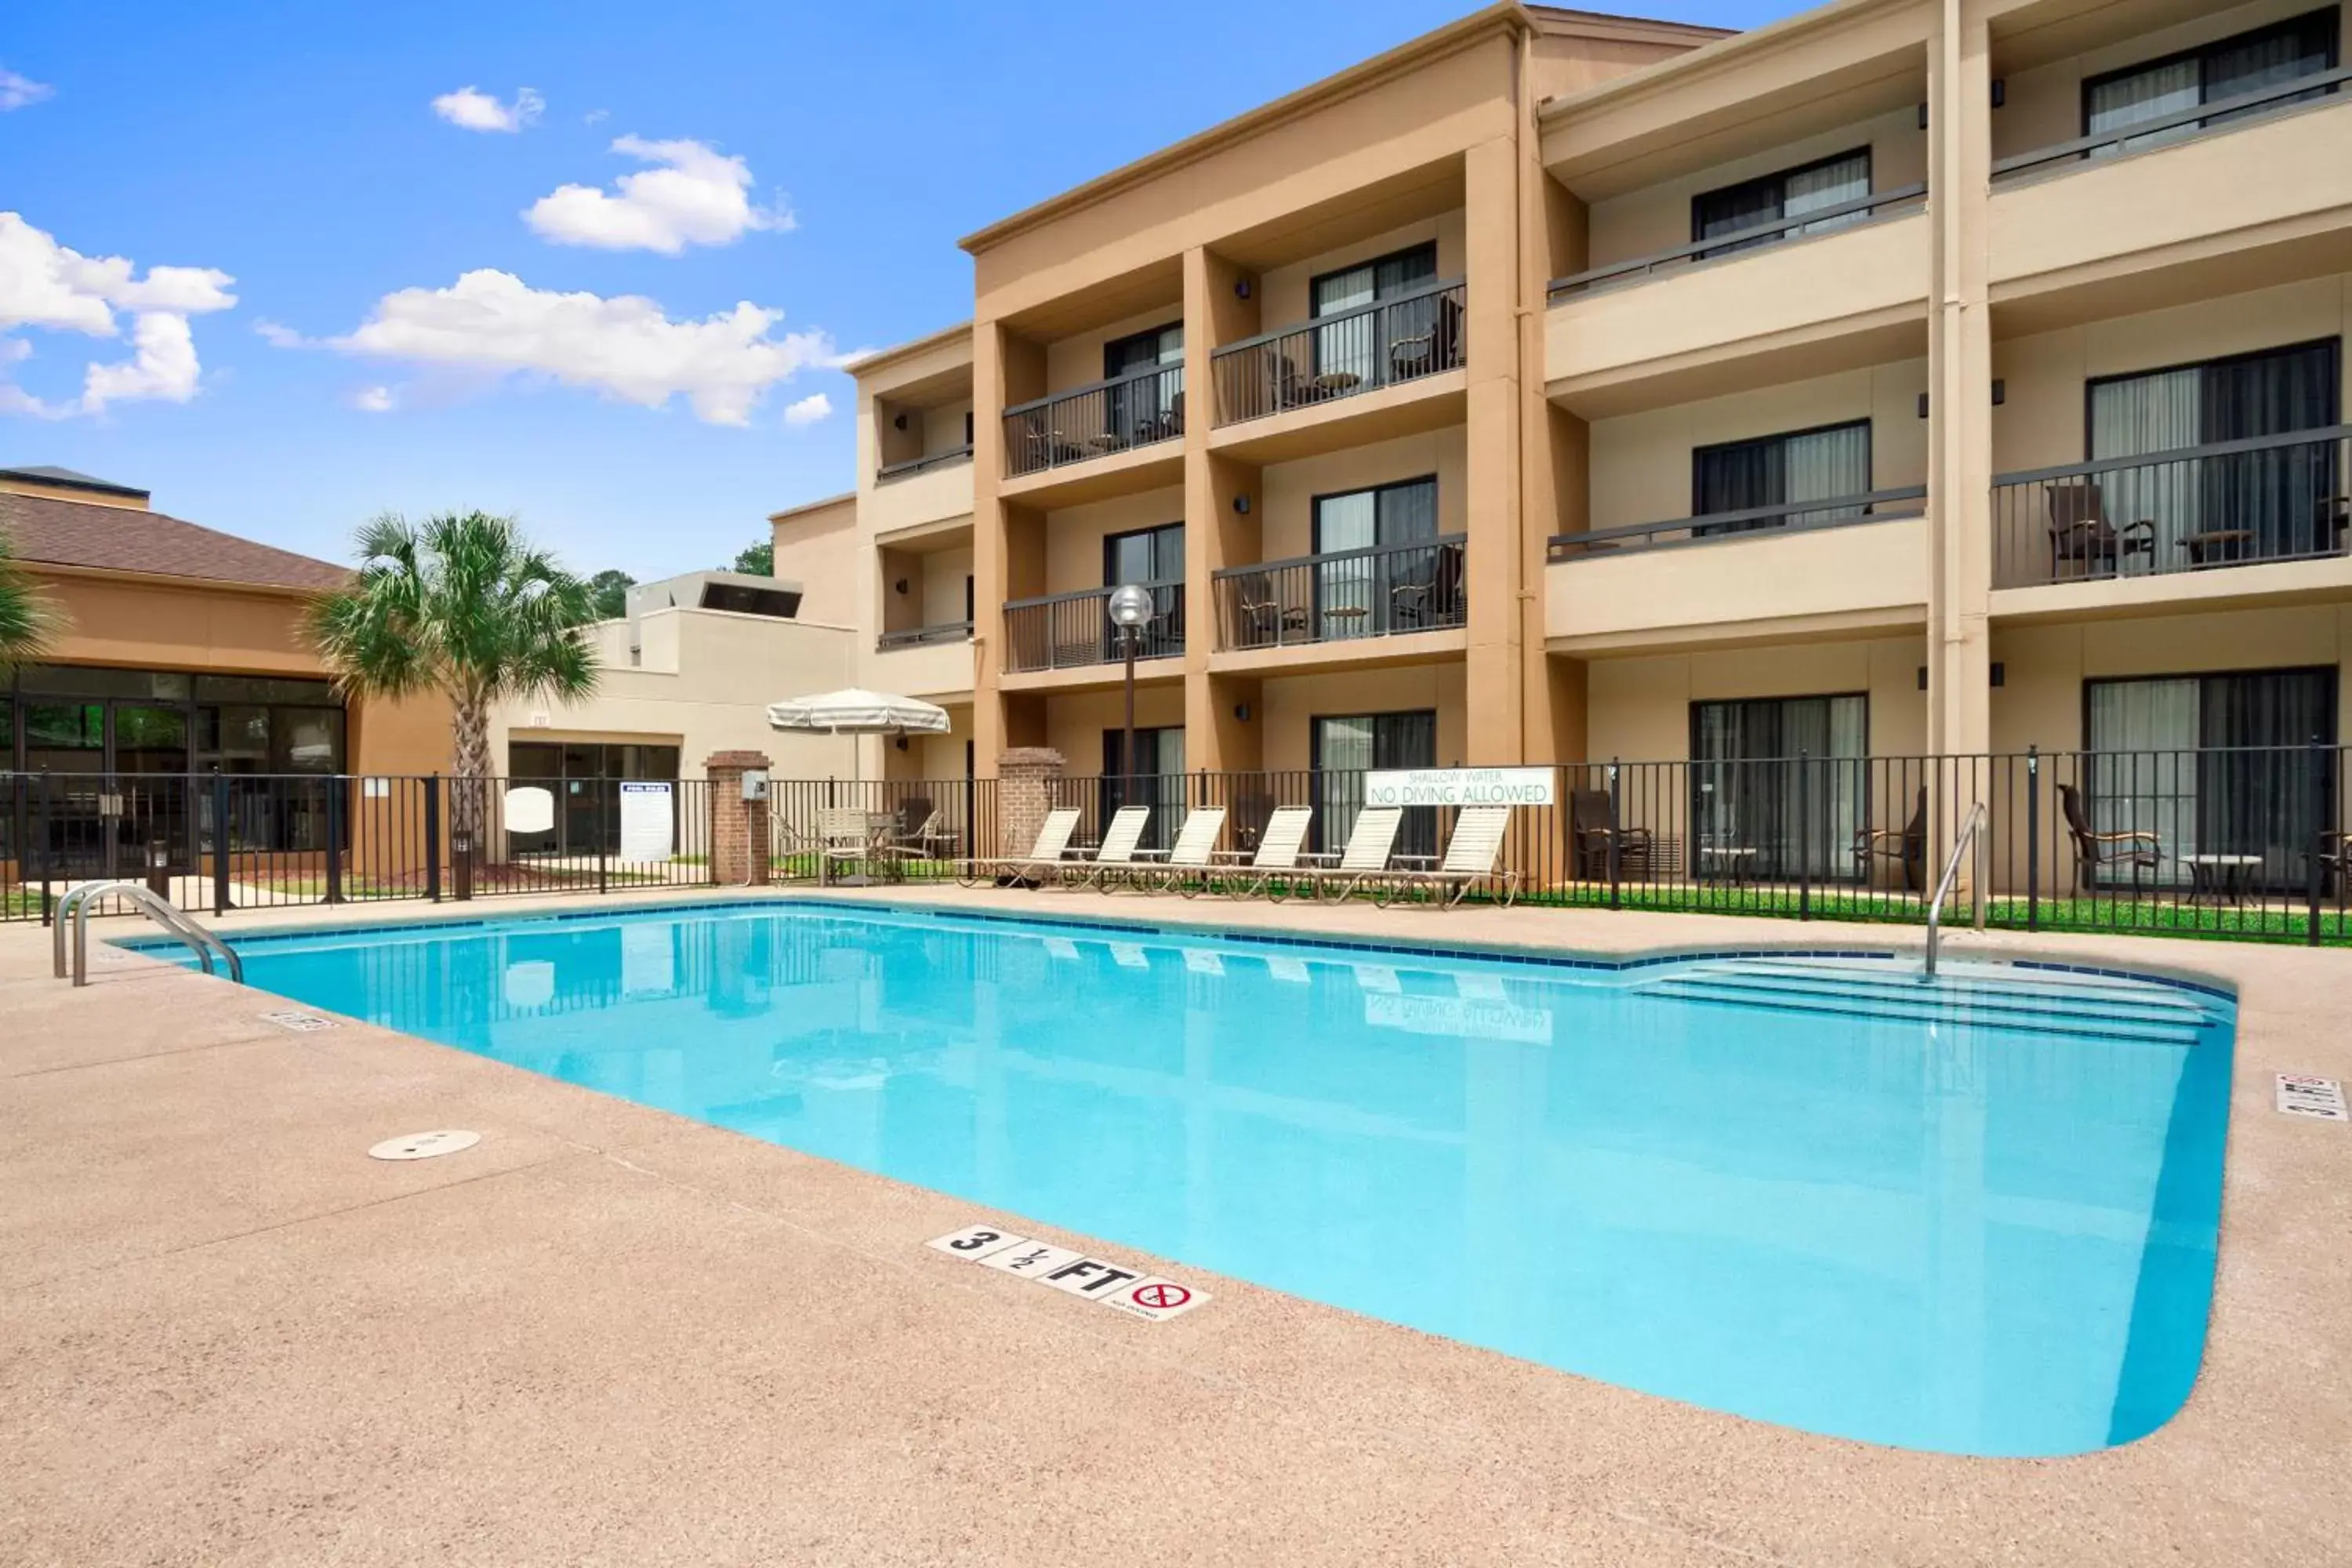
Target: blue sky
{"x":297,"y":150}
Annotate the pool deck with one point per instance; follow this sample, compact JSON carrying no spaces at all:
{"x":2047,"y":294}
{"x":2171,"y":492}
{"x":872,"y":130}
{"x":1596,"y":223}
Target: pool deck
{"x":607,"y":1335}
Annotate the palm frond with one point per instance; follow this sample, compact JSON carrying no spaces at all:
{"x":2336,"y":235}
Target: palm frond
{"x":29,"y":623}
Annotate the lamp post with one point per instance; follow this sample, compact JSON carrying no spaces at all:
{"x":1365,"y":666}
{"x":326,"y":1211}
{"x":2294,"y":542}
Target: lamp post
{"x":1129,"y":607}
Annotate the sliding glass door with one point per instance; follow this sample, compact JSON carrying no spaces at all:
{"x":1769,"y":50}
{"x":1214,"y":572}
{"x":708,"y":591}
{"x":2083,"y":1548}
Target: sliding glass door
{"x":1346,"y":748}
{"x":1779,"y":786}
{"x":2244,"y":63}
{"x":1155,"y":779}
{"x":2214,"y":764}
{"x":1350,"y":349}
{"x":1368,"y":596}
{"x":1770,"y":470}
{"x":1153,"y":557}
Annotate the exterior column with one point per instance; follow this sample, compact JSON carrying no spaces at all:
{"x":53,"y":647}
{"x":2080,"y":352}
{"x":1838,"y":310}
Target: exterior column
{"x":1027,"y":780}
{"x":739,"y":828}
{"x":1494,"y":567}
{"x":1960,"y":378}
{"x":989,"y":544}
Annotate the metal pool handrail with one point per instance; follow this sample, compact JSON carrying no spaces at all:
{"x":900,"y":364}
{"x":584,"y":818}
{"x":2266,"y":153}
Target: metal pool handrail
{"x":75,"y":905}
{"x":1972,"y":835}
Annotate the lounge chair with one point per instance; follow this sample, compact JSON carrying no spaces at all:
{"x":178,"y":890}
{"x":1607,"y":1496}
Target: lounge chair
{"x":1117,"y":853}
{"x":1471,"y":856}
{"x":1366,"y":858}
{"x":1275,"y":863}
{"x":1588,"y":823}
{"x":1046,"y":857}
{"x":2137,"y":847}
{"x":1909,"y":846}
{"x":1184,"y":865}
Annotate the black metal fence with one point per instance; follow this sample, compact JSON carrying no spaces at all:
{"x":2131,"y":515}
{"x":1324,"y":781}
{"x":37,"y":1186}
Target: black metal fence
{"x":2193,"y":508}
{"x":1137,"y":409}
{"x":2247,"y":842}
{"x":1340,"y":594}
{"x":1342,"y":355}
{"x":1063,"y":631}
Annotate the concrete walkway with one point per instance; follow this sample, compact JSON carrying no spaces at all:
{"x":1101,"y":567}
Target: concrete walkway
{"x":609,"y":1336}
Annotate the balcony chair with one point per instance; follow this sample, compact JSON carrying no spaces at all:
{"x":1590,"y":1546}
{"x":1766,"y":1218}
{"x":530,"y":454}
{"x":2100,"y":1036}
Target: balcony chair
{"x":1907,"y":844}
{"x":1471,"y":859}
{"x":2080,"y":532}
{"x":1267,"y":619}
{"x":1589,"y":830}
{"x":2138,"y":848}
{"x":1045,"y":857}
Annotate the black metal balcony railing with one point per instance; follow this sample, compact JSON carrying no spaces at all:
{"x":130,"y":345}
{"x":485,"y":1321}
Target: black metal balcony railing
{"x":924,"y":636}
{"x":1715,"y":528}
{"x":1067,"y":631}
{"x":1343,"y":594}
{"x":1137,"y":409}
{"x":2227,"y":503}
{"x":2261,"y":101}
{"x":1843,"y":215}
{"x":1341,"y":355}
{"x":928,"y":460}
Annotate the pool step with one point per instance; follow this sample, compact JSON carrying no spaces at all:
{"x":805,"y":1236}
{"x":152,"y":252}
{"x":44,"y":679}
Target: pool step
{"x":2141,"y":1004}
{"x":2029,"y":1013}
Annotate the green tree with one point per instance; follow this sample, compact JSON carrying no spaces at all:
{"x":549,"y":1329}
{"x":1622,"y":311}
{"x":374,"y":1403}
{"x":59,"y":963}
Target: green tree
{"x":759,"y":560}
{"x":610,"y":591}
{"x":464,"y":605}
{"x":29,"y":623}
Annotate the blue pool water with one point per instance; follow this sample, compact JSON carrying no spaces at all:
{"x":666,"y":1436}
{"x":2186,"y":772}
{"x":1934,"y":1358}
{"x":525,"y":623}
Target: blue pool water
{"x":1976,"y":1217}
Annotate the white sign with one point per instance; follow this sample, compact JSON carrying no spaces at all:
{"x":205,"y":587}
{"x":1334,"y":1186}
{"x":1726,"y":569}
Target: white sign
{"x":375,"y":789}
{"x":646,"y":821}
{"x":1459,"y":786}
{"x":2300,"y":1094}
{"x":1154,"y":1298}
{"x":529,"y":809}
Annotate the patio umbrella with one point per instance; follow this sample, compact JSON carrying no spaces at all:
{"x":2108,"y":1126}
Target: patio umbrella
{"x":858,"y":712}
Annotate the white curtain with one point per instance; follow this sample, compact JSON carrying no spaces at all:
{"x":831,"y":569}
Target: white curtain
{"x":2142,"y":415}
{"x":1827,"y":463}
{"x":1826,"y":186}
{"x":1343,"y":589}
{"x":1346,"y":348}
{"x":2146,"y":95}
{"x":2144,"y":736}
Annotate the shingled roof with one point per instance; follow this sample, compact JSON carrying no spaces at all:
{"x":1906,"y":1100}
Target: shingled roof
{"x":55,"y":532}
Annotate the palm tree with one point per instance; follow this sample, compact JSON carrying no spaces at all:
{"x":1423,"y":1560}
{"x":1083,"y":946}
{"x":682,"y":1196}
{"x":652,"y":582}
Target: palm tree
{"x":28,"y":621}
{"x":464,"y":605}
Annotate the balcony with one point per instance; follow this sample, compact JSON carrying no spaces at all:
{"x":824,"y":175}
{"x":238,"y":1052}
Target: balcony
{"x":928,"y":460}
{"x":1073,"y":631}
{"x":2164,"y":129}
{"x":1343,"y":595}
{"x":2204,"y":511}
{"x":1346,"y":354}
{"x":1140,"y":410}
{"x":1820,"y":220}
{"x":924,"y":661}
{"x":924,"y":636}
{"x":1850,"y":564}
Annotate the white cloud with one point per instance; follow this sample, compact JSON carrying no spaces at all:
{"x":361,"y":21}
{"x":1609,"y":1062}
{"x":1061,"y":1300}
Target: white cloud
{"x":46,"y":285}
{"x":596,"y":117}
{"x":373,"y":400}
{"x":20,"y":91}
{"x":279,"y":336}
{"x":816,"y":405}
{"x":471,"y":109}
{"x":492,"y":323}
{"x":694,"y":196}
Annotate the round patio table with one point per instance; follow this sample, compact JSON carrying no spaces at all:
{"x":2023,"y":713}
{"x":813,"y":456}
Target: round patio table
{"x":2213,"y":878}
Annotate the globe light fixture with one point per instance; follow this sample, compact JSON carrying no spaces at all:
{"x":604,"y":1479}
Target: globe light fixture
{"x":1130,"y":605}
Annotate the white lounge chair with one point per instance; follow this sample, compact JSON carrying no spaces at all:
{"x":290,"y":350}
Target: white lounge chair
{"x":1044,"y":858}
{"x":1276,"y":856}
{"x":1185,"y":865}
{"x":1114,"y":853}
{"x":1365,"y":861}
{"x":1470,"y":858}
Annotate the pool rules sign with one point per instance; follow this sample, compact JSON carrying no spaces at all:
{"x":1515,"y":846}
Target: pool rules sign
{"x":1138,"y":1294}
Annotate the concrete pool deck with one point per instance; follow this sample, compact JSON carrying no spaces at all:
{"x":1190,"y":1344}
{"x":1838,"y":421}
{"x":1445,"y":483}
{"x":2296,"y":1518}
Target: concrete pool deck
{"x":607,"y":1335}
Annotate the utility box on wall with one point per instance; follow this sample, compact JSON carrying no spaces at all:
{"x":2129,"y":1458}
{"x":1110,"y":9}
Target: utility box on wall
{"x":755,"y":784}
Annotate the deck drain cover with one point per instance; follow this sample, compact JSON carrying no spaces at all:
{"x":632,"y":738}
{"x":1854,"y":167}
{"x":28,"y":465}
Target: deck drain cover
{"x":425,"y":1145}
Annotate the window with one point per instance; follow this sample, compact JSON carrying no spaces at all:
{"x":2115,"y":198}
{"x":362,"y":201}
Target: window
{"x":1353,"y":346}
{"x":585,"y":779}
{"x":783,"y":604}
{"x":1396,"y":588}
{"x":1346,"y":748}
{"x":1156,"y":780}
{"x":1152,"y":556}
{"x":2214,"y":764}
{"x":2248,"y":62}
{"x":1778,"y":786}
{"x":2272,"y":503}
{"x":1790,"y":193}
{"x":1150,"y":408}
{"x":1772,"y":470}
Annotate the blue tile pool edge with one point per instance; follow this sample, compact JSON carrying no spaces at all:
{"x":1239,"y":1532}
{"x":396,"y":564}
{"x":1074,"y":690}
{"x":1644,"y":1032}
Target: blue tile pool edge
{"x":1496,"y":952}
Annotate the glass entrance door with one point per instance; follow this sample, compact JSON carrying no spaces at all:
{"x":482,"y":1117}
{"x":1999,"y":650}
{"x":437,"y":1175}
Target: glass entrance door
{"x":66,"y":741}
{"x":151,"y":784}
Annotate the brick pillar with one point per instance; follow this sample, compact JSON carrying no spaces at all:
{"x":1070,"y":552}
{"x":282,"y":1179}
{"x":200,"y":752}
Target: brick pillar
{"x":1028,"y":778}
{"x":738,"y":830}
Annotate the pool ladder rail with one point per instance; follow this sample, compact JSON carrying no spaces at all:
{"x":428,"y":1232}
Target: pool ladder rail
{"x":1972,"y":837}
{"x":75,"y":905}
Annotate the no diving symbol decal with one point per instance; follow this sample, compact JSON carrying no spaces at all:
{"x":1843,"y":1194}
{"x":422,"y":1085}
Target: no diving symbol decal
{"x":1151,"y":1297}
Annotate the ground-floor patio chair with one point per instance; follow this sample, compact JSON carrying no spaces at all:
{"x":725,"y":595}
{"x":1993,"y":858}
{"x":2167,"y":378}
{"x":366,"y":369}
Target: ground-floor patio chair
{"x":1045,"y":857}
{"x":1364,"y":861}
{"x":1184,"y":866}
{"x":1472,"y":860}
{"x":1115,"y":856}
{"x":1588,"y":824}
{"x":1272,"y":869}
{"x":1908,"y":844}
{"x":2136,"y":849}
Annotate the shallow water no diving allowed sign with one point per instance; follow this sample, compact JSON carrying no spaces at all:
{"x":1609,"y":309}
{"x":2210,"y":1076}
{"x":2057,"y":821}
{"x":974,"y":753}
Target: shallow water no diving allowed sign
{"x":1150,"y":1297}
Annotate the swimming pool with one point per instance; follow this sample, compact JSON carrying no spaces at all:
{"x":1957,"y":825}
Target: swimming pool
{"x":1976,"y":1217}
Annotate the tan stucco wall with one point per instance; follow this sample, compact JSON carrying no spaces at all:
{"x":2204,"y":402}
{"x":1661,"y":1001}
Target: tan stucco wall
{"x":1074,"y":536}
{"x":1287,"y":491}
{"x":1640,"y":708}
{"x":1288,"y":707}
{"x":818,"y":548}
{"x":705,"y":687}
{"x":1075,"y":723}
{"x":1078,"y":360}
